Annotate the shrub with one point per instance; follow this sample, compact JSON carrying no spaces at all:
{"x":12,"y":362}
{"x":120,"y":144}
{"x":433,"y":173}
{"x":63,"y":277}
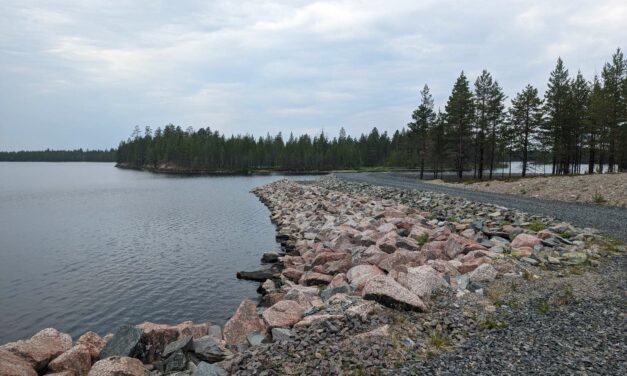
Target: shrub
{"x":598,"y":198}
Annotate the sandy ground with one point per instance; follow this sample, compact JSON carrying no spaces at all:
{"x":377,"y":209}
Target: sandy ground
{"x":608,"y":189}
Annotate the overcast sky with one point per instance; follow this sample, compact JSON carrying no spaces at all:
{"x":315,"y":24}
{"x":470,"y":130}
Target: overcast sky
{"x":83,"y":73}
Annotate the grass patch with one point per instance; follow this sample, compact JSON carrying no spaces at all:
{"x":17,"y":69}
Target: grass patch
{"x":438,"y":340}
{"x":491,"y":323}
{"x":543,"y":307}
{"x":422,"y":239}
{"x":535,"y":226}
{"x":565,"y":295}
{"x":598,"y":198}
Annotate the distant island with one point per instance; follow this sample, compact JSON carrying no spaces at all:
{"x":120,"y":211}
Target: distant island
{"x":78,"y":155}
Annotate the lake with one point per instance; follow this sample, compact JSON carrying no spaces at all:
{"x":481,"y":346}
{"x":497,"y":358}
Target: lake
{"x":87,"y":246}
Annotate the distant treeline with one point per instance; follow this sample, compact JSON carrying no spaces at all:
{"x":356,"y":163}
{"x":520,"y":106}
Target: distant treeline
{"x":577,"y":123}
{"x":48,"y":155}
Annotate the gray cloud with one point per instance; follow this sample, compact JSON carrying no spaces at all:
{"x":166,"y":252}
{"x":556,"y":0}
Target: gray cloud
{"x":83,"y":73}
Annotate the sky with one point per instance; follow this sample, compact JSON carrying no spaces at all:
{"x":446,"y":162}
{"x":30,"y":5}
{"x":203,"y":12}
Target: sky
{"x":84,"y":73}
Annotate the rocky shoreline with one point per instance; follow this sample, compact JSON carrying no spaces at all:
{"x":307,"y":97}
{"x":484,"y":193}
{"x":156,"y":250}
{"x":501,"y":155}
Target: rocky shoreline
{"x":372,"y":280}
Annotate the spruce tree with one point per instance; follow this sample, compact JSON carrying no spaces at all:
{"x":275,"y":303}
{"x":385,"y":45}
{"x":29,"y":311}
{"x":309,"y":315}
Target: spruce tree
{"x":556,"y":108}
{"x":526,"y":119}
{"x":423,"y":118}
{"x":484,"y":91}
{"x":459,"y":117}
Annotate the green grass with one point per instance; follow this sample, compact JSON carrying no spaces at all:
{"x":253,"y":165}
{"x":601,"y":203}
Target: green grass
{"x":491,"y":323}
{"x":535,"y":226}
{"x":598,"y":198}
{"x":543,"y":307}
{"x":422,"y":239}
{"x":438,"y":340}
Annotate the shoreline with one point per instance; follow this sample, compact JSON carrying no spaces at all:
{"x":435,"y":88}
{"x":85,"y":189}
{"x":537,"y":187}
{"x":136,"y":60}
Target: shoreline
{"x":354,"y":258}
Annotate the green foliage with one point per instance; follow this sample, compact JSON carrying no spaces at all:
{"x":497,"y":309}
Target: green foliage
{"x":535,"y":226}
{"x":543,"y":307}
{"x":438,"y":340}
{"x":422,"y":239}
{"x":48,"y":155}
{"x":577,"y":120}
{"x":598,"y":198}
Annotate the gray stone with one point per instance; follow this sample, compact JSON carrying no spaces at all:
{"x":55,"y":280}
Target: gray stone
{"x":529,"y":260}
{"x":215,"y":331}
{"x":483,"y":273}
{"x":408,"y":342}
{"x":255,"y":338}
{"x":206,"y":369}
{"x":387,"y":291}
{"x":207,"y":349}
{"x":462,"y":281}
{"x":330,"y":291}
{"x":281,"y":334}
{"x":183,"y":343}
{"x":125,"y":342}
{"x":175,"y":362}
{"x":269,"y":257}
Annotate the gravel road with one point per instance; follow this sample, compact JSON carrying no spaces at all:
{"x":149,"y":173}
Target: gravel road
{"x":611,"y":220}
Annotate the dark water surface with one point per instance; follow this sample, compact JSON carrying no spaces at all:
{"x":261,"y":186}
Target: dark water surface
{"x":86,"y":246}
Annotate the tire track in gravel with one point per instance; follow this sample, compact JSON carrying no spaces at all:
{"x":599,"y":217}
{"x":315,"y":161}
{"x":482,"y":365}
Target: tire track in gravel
{"x":609,"y":219}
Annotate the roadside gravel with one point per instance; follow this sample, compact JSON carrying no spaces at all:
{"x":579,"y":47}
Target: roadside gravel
{"x":569,"y":326}
{"x":610,"y":220}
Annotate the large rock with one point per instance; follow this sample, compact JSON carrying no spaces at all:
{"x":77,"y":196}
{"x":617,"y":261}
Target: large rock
{"x":313,"y":279}
{"x":94,"y":343}
{"x":305,"y":296}
{"x":175,"y":362}
{"x":483,"y":273}
{"x":14,"y":365}
{"x":117,"y":366}
{"x":292,"y":274}
{"x":472,"y":264}
{"x":388,"y":292}
{"x":281,"y":334}
{"x":208,"y":349}
{"x":206,"y":369}
{"x":283,"y":314}
{"x":525,"y":240}
{"x":125,"y":343}
{"x":358,"y":275}
{"x":244,"y":321}
{"x":423,"y":280}
{"x":184,"y":343}
{"x":402,"y":258}
{"x":157,"y":336}
{"x":41,"y":348}
{"x":77,"y":359}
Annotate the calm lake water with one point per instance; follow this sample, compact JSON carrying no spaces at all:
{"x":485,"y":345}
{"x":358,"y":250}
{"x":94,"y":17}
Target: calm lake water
{"x":86,"y":246}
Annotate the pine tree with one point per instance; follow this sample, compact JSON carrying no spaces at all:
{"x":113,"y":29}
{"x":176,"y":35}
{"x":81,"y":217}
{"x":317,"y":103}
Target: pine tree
{"x":579,"y":102}
{"x":484,"y":101}
{"x":613,"y":77}
{"x":556,"y":107}
{"x":459,"y":117}
{"x":525,"y":118}
{"x":596,"y":119}
{"x":423,"y":118}
{"x":496,"y":117}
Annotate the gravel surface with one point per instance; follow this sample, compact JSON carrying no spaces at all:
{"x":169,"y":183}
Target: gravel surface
{"x":610,"y":220}
{"x":582,"y":331}
{"x":580,"y":188}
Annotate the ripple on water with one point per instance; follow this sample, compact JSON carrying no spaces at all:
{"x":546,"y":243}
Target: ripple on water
{"x":90,"y":247}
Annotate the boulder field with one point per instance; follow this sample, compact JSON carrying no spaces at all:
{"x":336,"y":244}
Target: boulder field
{"x":349,"y":250}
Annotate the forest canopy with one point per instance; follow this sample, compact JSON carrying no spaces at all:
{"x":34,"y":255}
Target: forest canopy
{"x":579,"y":125}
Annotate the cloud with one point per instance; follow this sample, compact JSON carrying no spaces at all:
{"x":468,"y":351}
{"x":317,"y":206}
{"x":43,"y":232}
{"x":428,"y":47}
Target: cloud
{"x":70,"y":68}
